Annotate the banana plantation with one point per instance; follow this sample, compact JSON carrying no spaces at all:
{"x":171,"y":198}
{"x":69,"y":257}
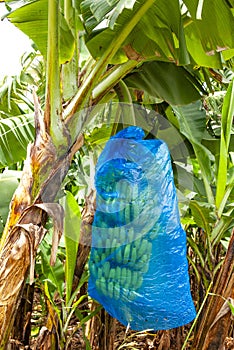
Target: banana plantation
{"x":104,"y":81}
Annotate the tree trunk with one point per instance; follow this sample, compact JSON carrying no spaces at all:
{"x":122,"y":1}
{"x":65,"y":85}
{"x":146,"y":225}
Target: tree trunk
{"x":32,"y":202}
{"x":22,"y":325}
{"x":216,"y":322}
{"x":101,"y":330}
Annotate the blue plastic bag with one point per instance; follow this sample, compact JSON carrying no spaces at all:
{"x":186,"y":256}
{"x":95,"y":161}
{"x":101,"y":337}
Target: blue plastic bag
{"x":138,"y":266}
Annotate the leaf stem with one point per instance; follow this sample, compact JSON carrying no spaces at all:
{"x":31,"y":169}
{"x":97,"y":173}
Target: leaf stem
{"x":53,"y":106}
{"x":83,"y":95}
{"x":227,"y":117}
{"x":112,"y":79}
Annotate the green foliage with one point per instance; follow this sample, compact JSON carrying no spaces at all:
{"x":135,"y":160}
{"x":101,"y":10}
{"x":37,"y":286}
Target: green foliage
{"x":8,"y":184}
{"x":34,"y":15}
{"x":157,"y":44}
{"x":166,"y":34}
{"x":16,"y":109}
{"x":57,"y":281}
{"x":72,"y":224}
{"x":192,"y":125}
{"x":176,"y":85}
{"x":224,"y":163}
{"x":15,"y":134}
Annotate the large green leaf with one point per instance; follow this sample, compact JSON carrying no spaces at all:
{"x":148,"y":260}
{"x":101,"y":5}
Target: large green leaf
{"x":212,"y":23}
{"x":227,"y":122}
{"x":52,"y":274}
{"x":203,"y":214}
{"x":176,"y":85}
{"x":157,"y":35}
{"x":162,"y":33}
{"x":192,"y":124}
{"x":32,"y":19}
{"x":15,"y":134}
{"x":72,"y":223}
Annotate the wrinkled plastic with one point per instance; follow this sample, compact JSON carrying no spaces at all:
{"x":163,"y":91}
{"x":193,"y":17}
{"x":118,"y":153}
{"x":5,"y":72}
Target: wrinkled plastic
{"x":138,"y":266}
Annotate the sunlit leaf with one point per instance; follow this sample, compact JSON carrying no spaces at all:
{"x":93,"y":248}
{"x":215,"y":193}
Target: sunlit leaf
{"x":15,"y":135}
{"x":163,"y":33}
{"x":227,"y":121}
{"x":216,"y":26}
{"x":32,"y":19}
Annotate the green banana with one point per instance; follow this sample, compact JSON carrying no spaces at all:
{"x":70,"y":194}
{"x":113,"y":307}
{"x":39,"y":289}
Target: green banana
{"x":103,"y":256}
{"x":143,"y":248}
{"x":98,"y":284}
{"x":110,"y":288}
{"x":118,"y":255}
{"x":133,"y":256}
{"x":99,"y":242}
{"x":122,"y":235}
{"x":101,"y":285}
{"x":99,"y":272}
{"x":137,"y":244}
{"x":131,"y":235}
{"x":93,"y":269}
{"x":128,"y":278}
{"x":134,"y":279}
{"x":135,"y":211}
{"x":149,"y":248}
{"x":113,"y":246}
{"x":127,"y":214}
{"x":126,"y":255}
{"x":124,"y":188}
{"x":118,"y":273}
{"x":145,"y":268}
{"x":123,"y":276}
{"x":116,"y":291}
{"x":111,"y":274}
{"x":96,"y":256}
{"x":107,"y":246}
{"x":143,"y":263}
{"x":106,"y":269}
{"x":139,"y":282}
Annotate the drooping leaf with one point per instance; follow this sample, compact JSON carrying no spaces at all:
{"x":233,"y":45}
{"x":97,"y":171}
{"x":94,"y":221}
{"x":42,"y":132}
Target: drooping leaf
{"x":202,"y":213}
{"x":152,"y":37}
{"x":166,"y":81}
{"x":163,"y":33}
{"x":9,"y":105}
{"x":192,"y":120}
{"x":32,"y":19}
{"x":54,"y":275}
{"x":192,"y":124}
{"x":198,"y":56}
{"x":15,"y":135}
{"x":214,"y":27}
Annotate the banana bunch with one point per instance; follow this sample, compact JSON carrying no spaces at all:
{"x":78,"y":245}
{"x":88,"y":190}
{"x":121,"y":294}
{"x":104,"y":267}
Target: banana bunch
{"x":119,"y":269}
{"x":120,"y":258}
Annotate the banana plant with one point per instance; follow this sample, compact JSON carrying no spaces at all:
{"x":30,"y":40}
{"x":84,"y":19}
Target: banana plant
{"x":88,"y":48}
